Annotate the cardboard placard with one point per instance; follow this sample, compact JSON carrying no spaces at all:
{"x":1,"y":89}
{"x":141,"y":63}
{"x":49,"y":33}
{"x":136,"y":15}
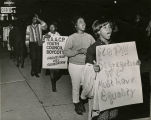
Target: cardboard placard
{"x":53,"y":57}
{"x":119,"y":81}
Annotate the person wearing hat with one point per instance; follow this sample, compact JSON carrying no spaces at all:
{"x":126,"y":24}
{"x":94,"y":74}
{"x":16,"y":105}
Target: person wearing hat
{"x":102,"y":30}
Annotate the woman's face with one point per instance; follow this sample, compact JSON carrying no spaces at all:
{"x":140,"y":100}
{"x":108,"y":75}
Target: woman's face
{"x":105,"y":31}
{"x":52,"y":28}
{"x":80,"y":25}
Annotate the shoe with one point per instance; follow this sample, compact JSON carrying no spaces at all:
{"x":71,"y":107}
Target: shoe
{"x":17,"y":65}
{"x":82,"y":102}
{"x":78,"y":109}
{"x":32,"y":73}
{"x":54,"y":90}
{"x":82,"y":107}
{"x":36,"y":74}
{"x":22,"y":66}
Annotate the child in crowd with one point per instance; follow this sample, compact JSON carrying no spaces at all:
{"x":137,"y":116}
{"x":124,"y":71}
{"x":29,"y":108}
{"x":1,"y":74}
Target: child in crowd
{"x":76,"y":49}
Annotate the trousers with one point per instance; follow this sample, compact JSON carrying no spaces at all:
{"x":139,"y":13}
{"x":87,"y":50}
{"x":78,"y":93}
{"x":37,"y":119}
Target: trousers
{"x":36,"y":57}
{"x":75,"y":72}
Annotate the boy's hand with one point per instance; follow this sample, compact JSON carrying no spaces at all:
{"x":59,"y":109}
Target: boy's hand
{"x":38,"y":19}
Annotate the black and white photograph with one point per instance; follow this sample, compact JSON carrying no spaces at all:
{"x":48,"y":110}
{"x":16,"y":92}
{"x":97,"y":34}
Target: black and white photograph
{"x":75,"y":59}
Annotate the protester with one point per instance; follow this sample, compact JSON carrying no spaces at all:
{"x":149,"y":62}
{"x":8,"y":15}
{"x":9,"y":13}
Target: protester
{"x":148,"y":30}
{"x":12,"y":41}
{"x":76,"y":48}
{"x":20,"y":47}
{"x":148,"y":34}
{"x":139,"y":35}
{"x":102,"y":29}
{"x":55,"y":74}
{"x":53,"y":29}
{"x":52,"y":32}
{"x":34,"y":36}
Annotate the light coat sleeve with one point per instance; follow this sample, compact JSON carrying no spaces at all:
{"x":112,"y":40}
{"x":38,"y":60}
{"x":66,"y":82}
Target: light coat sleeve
{"x":88,"y":81}
{"x":27,"y":36}
{"x":27,"y":33}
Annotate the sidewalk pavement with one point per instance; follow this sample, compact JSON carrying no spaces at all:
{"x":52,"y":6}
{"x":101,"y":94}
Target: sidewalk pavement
{"x":29,"y":98}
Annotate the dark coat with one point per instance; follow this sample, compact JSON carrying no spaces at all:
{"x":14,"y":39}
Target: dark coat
{"x":12,"y":38}
{"x":20,"y":36}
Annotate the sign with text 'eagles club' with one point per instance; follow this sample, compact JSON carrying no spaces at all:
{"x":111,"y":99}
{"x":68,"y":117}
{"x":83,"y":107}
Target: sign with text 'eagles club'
{"x":53,"y":57}
{"x":119,"y":82}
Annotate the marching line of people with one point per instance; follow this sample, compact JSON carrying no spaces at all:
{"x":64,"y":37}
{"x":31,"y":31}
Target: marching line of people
{"x":80,"y":49}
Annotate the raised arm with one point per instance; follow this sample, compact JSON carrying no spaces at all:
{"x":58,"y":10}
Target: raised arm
{"x":42,"y":23}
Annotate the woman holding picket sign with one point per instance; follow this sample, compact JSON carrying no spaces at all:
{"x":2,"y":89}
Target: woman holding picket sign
{"x":55,"y":74}
{"x":53,"y":29}
{"x":76,"y":48}
{"x":102,"y":29}
{"x":52,"y":32}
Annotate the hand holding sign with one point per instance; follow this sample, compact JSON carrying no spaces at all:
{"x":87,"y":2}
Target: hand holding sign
{"x":53,"y":57}
{"x":96,"y":67}
{"x":119,"y":82}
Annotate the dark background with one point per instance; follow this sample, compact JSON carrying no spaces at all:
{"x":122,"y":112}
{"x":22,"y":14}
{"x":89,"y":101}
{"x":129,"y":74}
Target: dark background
{"x":62,"y":11}
{"x":123,"y":14}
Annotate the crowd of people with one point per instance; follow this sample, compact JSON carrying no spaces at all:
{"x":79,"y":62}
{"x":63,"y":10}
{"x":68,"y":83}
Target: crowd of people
{"x":80,"y":49}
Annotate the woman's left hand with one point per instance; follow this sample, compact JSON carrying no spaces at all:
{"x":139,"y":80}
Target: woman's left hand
{"x":96,"y":67}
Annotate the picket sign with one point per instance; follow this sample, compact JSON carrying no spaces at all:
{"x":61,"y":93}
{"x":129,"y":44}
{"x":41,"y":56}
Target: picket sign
{"x":53,"y":57}
{"x":119,"y":81}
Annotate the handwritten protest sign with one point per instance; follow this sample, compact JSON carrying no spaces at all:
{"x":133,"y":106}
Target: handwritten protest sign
{"x":119,"y":82}
{"x":53,"y":57}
